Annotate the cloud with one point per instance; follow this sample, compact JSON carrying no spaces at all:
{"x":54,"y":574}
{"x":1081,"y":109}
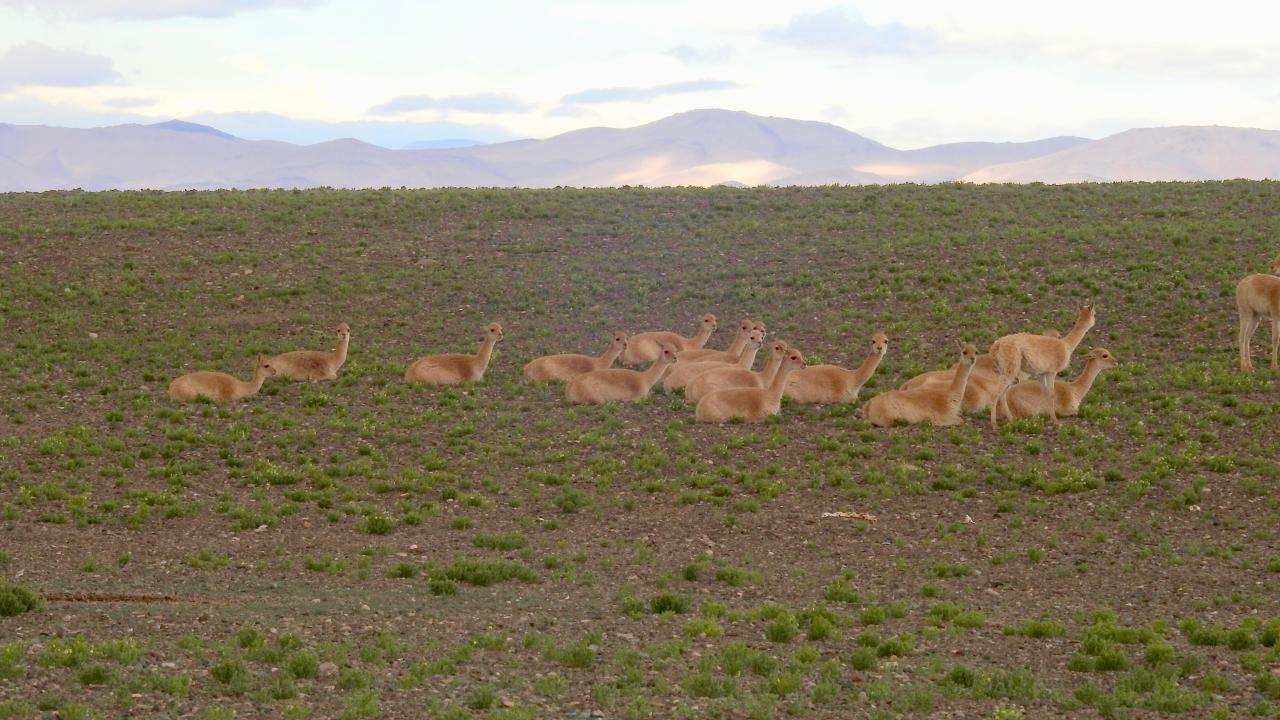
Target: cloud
{"x":41,"y":65}
{"x":151,"y":9}
{"x":597,"y":96}
{"x":483,"y":104}
{"x":126,"y":103}
{"x":840,"y":31}
{"x":692,"y":55}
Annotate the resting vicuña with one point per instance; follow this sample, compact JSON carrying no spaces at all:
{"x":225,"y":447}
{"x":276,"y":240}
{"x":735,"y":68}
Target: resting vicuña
{"x":834,"y":384}
{"x":1258,"y":297}
{"x":733,"y":376}
{"x":314,"y":365}
{"x":1040,"y":357}
{"x":750,"y":404}
{"x":680,"y":375}
{"x":930,"y":403}
{"x":570,"y":365}
{"x":647,"y":346}
{"x":983,"y":385}
{"x":729,"y":354}
{"x":1025,"y":399}
{"x":610,"y":384}
{"x":219,"y":387}
{"x":455,"y":368}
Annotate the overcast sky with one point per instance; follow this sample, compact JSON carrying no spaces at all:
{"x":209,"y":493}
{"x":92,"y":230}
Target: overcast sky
{"x":907,"y":74}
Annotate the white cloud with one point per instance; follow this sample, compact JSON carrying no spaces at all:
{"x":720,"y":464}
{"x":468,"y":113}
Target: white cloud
{"x":151,"y":9}
{"x":596,"y":96}
{"x":34,"y":64}
{"x":692,"y":55}
{"x":847,"y":32}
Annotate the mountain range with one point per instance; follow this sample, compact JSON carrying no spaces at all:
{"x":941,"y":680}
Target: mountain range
{"x":701,"y":147}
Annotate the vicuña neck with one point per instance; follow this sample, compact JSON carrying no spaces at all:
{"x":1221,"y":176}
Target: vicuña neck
{"x":1077,"y":333}
{"x":253,"y":386}
{"x":1084,"y":383}
{"x":779,"y":383}
{"x":747,"y":356}
{"x":867,"y":367}
{"x":486,"y":352}
{"x":739,"y":342}
{"x":955,"y":394}
{"x":770,"y":370}
{"x":703,"y":335}
{"x":654,"y":372}
{"x":610,"y":355}
{"x":340,"y":353}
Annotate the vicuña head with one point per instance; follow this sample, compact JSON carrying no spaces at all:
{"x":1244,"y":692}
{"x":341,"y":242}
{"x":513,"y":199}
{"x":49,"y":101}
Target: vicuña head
{"x":493,"y":332}
{"x":344,"y":332}
{"x":1102,"y":356}
{"x":1275,"y":266}
{"x":879,"y":344}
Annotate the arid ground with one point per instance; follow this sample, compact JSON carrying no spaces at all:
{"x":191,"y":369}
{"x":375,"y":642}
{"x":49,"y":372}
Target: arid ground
{"x":364,"y":549}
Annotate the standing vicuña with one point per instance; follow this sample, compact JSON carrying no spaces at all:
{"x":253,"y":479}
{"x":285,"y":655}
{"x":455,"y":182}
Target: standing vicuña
{"x":610,"y":384}
{"x":647,"y":346}
{"x":314,"y":365}
{"x":1040,"y":357}
{"x":1258,"y":296}
{"x":930,"y":403}
{"x":570,"y":365}
{"x":750,"y":404}
{"x":219,"y":387}
{"x":455,"y":368}
{"x":834,"y":384}
{"x":984,"y":381}
{"x":1025,"y":399}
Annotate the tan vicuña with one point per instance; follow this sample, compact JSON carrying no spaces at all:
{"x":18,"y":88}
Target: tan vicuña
{"x":614,"y":384}
{"x":834,"y":384}
{"x":1258,"y":297}
{"x":647,"y":346}
{"x":314,"y":365}
{"x":1025,"y":398}
{"x":931,"y":403}
{"x":724,"y":378}
{"x":569,"y":365}
{"x":219,"y":387}
{"x":1040,"y":357}
{"x":680,"y":375}
{"x":455,"y":368}
{"x":750,"y":404}
{"x":729,"y":354}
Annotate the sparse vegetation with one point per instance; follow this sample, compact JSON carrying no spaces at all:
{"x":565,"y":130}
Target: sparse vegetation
{"x":364,"y":548}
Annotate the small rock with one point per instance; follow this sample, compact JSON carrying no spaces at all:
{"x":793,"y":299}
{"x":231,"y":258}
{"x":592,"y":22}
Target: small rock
{"x":328,"y":669}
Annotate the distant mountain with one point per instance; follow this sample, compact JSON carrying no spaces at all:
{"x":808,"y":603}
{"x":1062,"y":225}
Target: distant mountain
{"x":183,"y":126}
{"x":1151,"y":154}
{"x":703,"y":147}
{"x":442,"y":144}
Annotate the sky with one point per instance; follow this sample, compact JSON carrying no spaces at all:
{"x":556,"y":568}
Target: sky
{"x":907,"y":74}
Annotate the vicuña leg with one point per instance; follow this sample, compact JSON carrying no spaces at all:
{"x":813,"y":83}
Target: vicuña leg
{"x":1275,"y":343}
{"x":1248,"y":325}
{"x":1046,"y":397}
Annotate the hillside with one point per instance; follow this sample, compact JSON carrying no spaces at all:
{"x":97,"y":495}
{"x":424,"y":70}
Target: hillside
{"x":1152,"y":154}
{"x":705,"y":147}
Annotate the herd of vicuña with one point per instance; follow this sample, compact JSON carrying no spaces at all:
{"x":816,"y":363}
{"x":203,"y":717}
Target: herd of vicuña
{"x":1016,"y":378}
